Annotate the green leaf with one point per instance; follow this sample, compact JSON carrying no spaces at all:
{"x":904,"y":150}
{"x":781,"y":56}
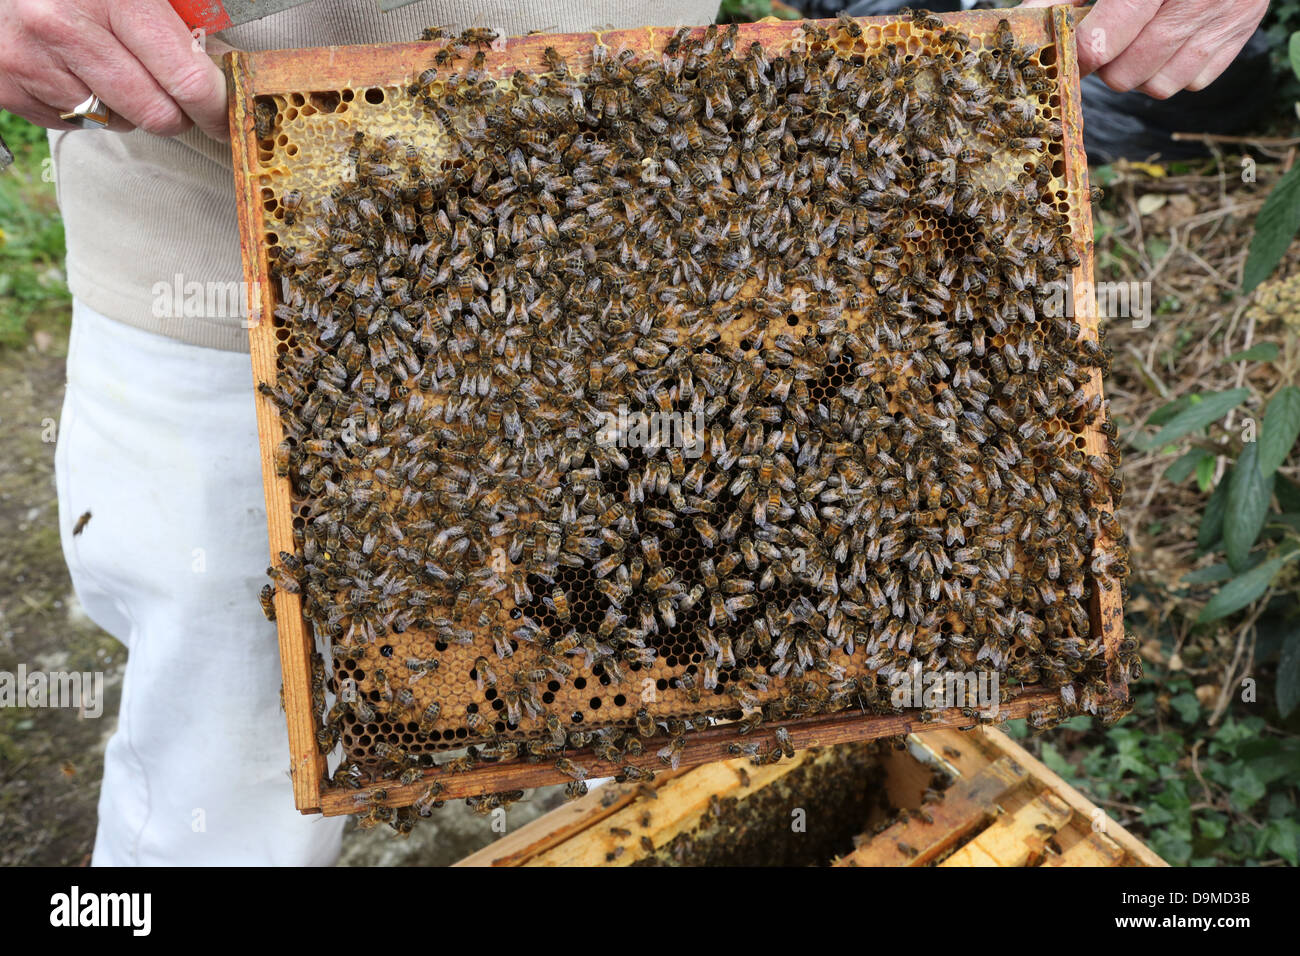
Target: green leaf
{"x":1055,"y":762}
{"x":1211,"y":575}
{"x":1273,"y":760}
{"x":1295,"y":53}
{"x":1168,"y":411}
{"x":1280,"y":429}
{"x":1249,"y":493}
{"x":1282,"y":523}
{"x":1247,"y":789}
{"x":1213,"y":827}
{"x":1187,"y":707}
{"x":1288,"y":493}
{"x":1240,"y":591}
{"x":1275,"y":227}
{"x":1174,"y":848}
{"x":1196,"y":415}
{"x":1187,"y":463}
{"x":1272,"y":631}
{"x":1264,"y":352}
{"x":1284,"y":839}
{"x":1288,"y":676}
{"x":1205,"y":473}
{"x":1212,"y":516}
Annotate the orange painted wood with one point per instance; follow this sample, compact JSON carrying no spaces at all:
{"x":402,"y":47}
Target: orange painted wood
{"x":704,"y":746}
{"x":306,"y":764}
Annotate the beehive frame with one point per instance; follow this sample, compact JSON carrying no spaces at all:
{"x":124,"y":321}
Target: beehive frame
{"x":298,"y":77}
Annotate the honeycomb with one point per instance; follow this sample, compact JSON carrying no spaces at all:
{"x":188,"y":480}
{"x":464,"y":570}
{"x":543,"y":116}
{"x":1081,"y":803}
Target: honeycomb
{"x":826,"y":252}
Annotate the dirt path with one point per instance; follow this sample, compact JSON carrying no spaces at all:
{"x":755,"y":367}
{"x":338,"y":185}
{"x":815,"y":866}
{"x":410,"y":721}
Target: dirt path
{"x":51,"y":760}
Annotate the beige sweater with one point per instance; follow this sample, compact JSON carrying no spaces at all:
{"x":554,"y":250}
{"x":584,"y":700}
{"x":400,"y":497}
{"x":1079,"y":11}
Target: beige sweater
{"x":146,"y":214}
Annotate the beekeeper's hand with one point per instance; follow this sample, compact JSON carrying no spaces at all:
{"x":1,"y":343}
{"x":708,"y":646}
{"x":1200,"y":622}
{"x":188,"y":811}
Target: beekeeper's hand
{"x":1162,"y":46}
{"x":137,"y":56}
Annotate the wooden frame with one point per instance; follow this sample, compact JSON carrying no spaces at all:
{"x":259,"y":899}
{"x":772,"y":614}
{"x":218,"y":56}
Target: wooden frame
{"x":281,"y":72}
{"x":1000,"y":794}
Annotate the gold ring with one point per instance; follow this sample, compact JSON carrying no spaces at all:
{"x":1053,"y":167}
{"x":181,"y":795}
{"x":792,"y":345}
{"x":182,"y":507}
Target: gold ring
{"x":92,"y":114}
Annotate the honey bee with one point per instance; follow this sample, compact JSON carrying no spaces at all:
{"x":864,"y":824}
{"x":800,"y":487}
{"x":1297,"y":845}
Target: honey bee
{"x":266,"y":597}
{"x":645,"y":724}
{"x":922,"y":18}
{"x":560,"y":602}
{"x":848,"y":25}
{"x":264,"y":116}
{"x":575,"y":789}
{"x":748,"y":246}
{"x":671,"y":755}
{"x":291,"y":202}
{"x":570,"y":769}
{"x":479,"y":36}
{"x":354,"y":151}
{"x":429,"y":718}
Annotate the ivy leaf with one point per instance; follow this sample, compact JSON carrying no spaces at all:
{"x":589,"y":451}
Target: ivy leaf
{"x":1212,"y":516}
{"x":1197,"y":415}
{"x":1280,"y":429}
{"x":1275,"y":227}
{"x":1249,"y":493}
{"x":1187,"y":707}
{"x":1171,"y":845}
{"x":1247,"y":789}
{"x":1213,"y":827}
{"x":1288,"y":675}
{"x":1284,"y":839}
{"x":1240,"y":591}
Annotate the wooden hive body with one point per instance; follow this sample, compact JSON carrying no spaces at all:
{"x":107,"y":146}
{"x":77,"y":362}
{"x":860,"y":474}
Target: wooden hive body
{"x":998,"y":806}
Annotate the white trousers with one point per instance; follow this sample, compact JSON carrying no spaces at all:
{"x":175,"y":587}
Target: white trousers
{"x":158,"y":440}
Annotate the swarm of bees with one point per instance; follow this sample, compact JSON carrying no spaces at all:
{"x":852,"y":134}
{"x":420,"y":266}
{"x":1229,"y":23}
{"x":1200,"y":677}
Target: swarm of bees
{"x":818,"y":262}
